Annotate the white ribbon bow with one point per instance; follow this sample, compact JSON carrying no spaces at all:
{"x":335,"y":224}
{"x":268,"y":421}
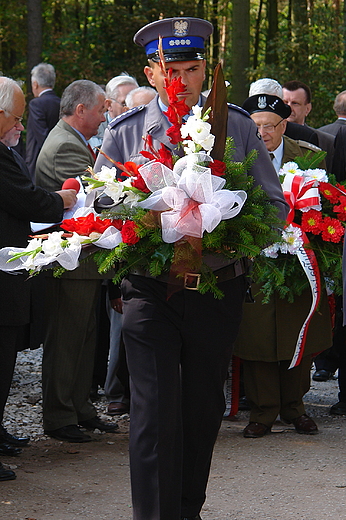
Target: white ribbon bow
{"x":191,"y":197}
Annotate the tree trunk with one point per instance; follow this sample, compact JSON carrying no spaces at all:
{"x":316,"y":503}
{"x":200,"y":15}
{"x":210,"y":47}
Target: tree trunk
{"x":34,"y":49}
{"x":240,"y":50}
{"x":272,"y":32}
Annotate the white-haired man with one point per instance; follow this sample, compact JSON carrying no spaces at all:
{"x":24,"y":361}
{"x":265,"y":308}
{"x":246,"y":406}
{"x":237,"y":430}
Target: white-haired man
{"x":20,"y":203}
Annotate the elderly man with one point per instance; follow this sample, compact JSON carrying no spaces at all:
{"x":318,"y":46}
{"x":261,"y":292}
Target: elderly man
{"x":140,"y":96}
{"x":270,"y":114}
{"x":43,"y":112}
{"x":297,"y":95}
{"x":340,"y":110}
{"x":178,"y":349}
{"x":20,"y":203}
{"x":117,"y":89}
{"x":70,"y":340}
{"x":267,"y":339}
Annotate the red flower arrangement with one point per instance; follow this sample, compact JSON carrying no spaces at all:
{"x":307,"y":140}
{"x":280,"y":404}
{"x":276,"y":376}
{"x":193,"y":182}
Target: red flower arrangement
{"x":90,"y":224}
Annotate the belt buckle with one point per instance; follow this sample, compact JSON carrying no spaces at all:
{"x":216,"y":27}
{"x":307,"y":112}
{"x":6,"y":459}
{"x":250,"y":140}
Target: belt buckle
{"x":192,"y":281}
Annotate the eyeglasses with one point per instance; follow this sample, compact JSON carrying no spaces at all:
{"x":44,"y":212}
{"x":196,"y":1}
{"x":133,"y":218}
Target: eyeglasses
{"x":17,"y":118}
{"x":123,"y":104}
{"x":268,"y":128}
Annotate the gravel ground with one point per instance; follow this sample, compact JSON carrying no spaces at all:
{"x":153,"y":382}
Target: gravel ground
{"x":282,"y":476}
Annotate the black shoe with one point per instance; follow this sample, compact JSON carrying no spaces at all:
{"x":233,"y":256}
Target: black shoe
{"x":338,"y":408}
{"x":6,"y":474}
{"x":70,"y":433}
{"x":191,"y":517}
{"x":96,"y":423}
{"x":322,"y":375}
{"x":7,"y":449}
{"x":7,"y":438}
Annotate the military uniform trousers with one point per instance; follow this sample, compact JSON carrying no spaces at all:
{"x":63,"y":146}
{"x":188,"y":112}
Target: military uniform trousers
{"x":178,"y":350}
{"x":274,"y":390}
{"x":69,"y":350}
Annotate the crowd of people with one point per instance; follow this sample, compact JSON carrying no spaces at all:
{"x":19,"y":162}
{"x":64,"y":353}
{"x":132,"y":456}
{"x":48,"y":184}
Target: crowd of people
{"x":165,"y":361}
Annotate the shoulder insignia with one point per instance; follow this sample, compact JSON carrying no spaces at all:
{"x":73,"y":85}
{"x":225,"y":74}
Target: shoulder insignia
{"x":239,"y":109}
{"x":125,"y":115}
{"x":310,"y":146}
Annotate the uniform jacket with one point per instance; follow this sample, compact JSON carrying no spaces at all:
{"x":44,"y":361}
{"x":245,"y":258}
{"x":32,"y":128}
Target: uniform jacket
{"x":293,"y":149}
{"x":43,"y":116}
{"x":269,"y":332}
{"x":20,"y":203}
{"x":149,"y":119}
{"x":333,"y":128}
{"x":64,"y":154}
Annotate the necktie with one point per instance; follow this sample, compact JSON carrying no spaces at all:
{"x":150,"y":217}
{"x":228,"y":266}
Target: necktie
{"x":272,"y":156}
{"x":92,"y":152}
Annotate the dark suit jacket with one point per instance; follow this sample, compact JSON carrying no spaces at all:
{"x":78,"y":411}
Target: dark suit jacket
{"x":326,"y":143}
{"x":43,"y":116}
{"x":301,"y":133}
{"x":339,"y":160}
{"x":20,"y":203}
{"x":333,"y":128}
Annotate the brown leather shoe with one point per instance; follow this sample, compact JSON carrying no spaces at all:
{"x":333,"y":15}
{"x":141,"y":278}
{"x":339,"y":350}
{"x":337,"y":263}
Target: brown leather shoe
{"x":254,"y":430}
{"x":304,"y":424}
{"x":117,"y":408}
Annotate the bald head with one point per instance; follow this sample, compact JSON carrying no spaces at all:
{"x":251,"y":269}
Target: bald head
{"x":12,"y":104}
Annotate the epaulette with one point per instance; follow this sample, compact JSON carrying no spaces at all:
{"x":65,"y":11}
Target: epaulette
{"x":240,"y":109}
{"x":310,"y":146}
{"x":125,"y":115}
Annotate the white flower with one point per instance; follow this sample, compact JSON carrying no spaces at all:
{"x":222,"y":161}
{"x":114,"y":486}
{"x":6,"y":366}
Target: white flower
{"x":317,"y":174}
{"x":131,"y":198}
{"x":114,"y":190}
{"x":199,"y":131}
{"x":208,"y":143}
{"x":189,"y":146}
{"x":53,"y":245}
{"x":106,"y":174}
{"x":293,"y":241}
{"x":290,"y":167}
{"x":271,"y":251}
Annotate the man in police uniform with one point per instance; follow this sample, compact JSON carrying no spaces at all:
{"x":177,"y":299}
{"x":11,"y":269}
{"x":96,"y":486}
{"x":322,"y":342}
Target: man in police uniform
{"x":178,"y":349}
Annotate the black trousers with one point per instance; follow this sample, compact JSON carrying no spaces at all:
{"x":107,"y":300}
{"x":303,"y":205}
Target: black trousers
{"x":178,"y":351}
{"x":10,"y":342}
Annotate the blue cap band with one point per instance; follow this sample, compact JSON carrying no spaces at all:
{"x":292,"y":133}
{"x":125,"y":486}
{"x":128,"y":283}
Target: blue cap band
{"x":174,"y":43}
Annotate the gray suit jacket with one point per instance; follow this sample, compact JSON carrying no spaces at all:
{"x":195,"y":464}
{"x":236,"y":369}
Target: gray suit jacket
{"x":333,"y":128}
{"x":123,"y":141}
{"x":64,"y":154}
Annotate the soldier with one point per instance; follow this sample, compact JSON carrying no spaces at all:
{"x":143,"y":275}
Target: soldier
{"x":178,"y":350}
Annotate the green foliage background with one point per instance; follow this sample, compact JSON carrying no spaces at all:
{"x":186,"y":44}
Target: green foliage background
{"x":93,"y":39}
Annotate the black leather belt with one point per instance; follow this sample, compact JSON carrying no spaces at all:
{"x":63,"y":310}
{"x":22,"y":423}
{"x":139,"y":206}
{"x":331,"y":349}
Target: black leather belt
{"x":191,"y":280}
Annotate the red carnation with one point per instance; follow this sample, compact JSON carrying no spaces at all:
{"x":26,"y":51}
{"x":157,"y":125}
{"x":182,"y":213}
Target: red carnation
{"x":128,"y":233}
{"x":311,"y":221}
{"x":332,"y":230}
{"x":329,"y":192}
{"x":341,"y":208}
